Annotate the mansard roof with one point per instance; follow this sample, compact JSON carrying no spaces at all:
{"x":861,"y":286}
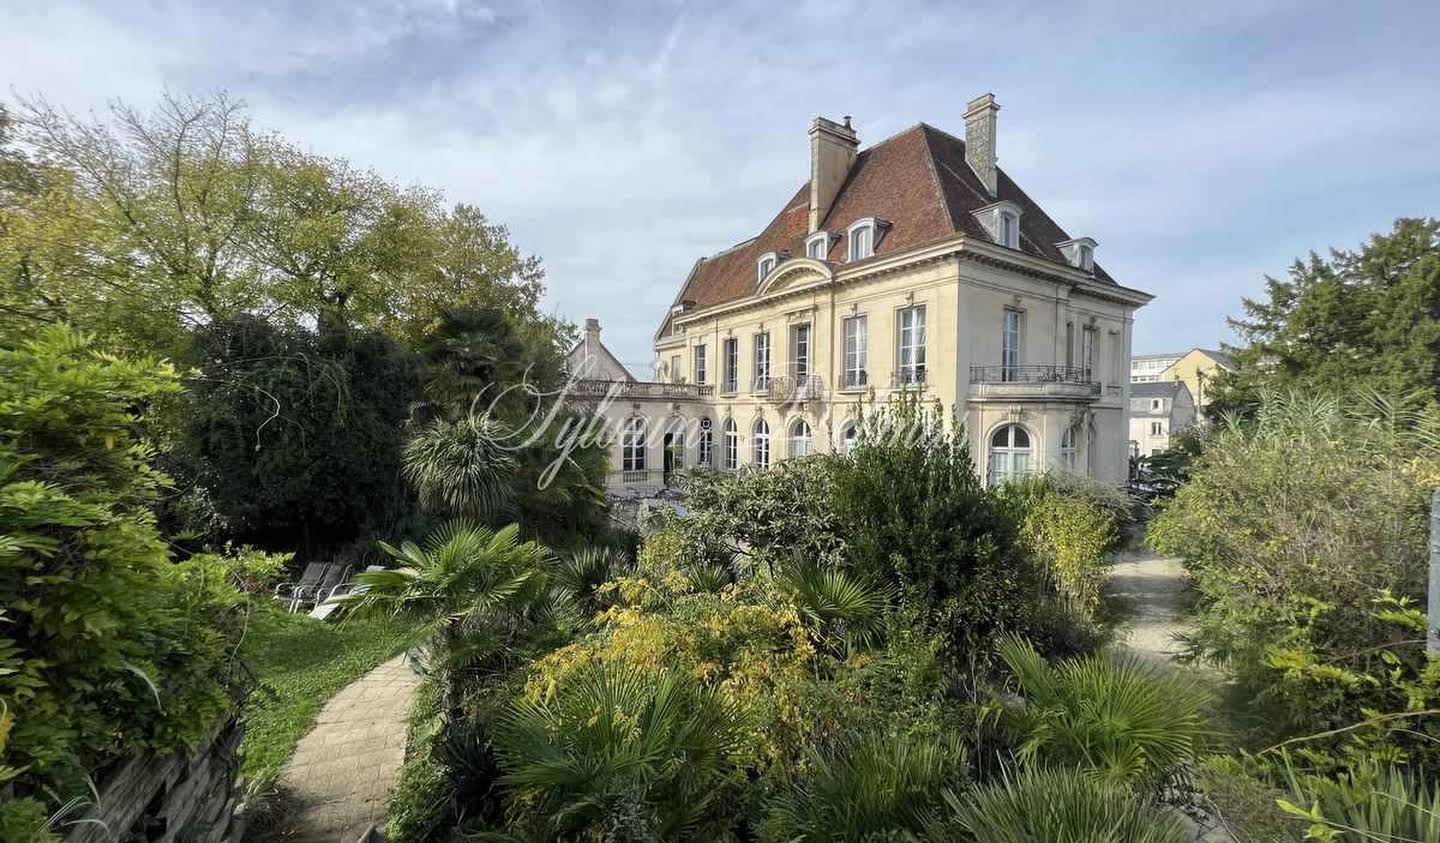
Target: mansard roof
{"x":916,"y":181}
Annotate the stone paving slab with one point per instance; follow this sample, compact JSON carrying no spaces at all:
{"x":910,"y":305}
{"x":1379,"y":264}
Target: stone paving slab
{"x":342,"y":771}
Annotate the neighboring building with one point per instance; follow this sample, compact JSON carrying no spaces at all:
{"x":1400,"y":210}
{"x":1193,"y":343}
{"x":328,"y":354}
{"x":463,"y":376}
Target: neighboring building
{"x":1147,"y":368}
{"x":1197,"y":368}
{"x":915,"y":264}
{"x":1156,"y":411}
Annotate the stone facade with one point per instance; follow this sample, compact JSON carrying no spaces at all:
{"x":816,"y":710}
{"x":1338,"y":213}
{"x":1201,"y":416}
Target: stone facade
{"x":1158,"y":411}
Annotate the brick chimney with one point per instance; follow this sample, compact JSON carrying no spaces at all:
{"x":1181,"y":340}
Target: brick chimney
{"x":980,"y":139}
{"x":833,"y":147}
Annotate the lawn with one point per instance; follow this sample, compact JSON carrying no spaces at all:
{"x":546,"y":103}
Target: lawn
{"x":300,"y":663}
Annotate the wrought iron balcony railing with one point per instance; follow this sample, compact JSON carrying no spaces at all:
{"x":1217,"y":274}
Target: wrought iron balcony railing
{"x":1032,"y":374}
{"x":808,"y":387}
{"x":908,"y":377}
{"x":640,"y":389}
{"x":855,"y":379}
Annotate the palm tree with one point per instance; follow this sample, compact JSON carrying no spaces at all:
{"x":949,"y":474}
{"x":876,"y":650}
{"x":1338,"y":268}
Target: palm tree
{"x":621,"y":753}
{"x":1111,"y":715}
{"x":843,"y":611}
{"x":1042,"y":806}
{"x":463,"y":468}
{"x":475,"y":590}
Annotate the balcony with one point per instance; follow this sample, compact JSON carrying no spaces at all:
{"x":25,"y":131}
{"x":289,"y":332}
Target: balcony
{"x":908,"y":378}
{"x":792,"y":388}
{"x":1036,"y":383}
{"x":854,"y":380}
{"x":641,"y":389}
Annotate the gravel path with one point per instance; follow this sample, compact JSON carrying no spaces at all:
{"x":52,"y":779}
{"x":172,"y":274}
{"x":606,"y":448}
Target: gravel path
{"x":1152,"y":586}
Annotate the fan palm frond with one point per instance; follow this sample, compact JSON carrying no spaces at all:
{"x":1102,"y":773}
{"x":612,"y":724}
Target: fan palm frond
{"x":462,"y":468}
{"x":1046,"y":805}
{"x":842,"y":610}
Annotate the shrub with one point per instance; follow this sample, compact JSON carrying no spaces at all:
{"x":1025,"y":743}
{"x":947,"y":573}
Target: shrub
{"x":1305,"y":532}
{"x":916,"y":519}
{"x":1048,"y":805}
{"x":620,"y":753}
{"x":876,"y":786}
{"x":1133,"y":722}
{"x":106,"y":647}
{"x":1369,"y":801}
{"x":782,"y":512}
{"x":1070,"y":531}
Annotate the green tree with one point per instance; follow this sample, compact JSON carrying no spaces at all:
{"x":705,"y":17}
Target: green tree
{"x":295,"y":436}
{"x":478,"y":591}
{"x":1365,"y":318}
{"x":106,"y":647}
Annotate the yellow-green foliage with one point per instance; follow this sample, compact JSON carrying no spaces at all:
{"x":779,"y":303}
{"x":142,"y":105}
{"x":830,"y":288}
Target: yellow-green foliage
{"x":1072,"y":536}
{"x":755,"y":652}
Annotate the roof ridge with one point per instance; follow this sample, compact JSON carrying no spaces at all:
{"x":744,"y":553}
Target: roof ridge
{"x":905,"y":131}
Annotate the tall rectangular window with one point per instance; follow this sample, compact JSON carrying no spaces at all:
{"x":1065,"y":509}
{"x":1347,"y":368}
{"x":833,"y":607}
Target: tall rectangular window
{"x":1087,"y":351}
{"x":912,"y":345}
{"x":862,"y":242}
{"x":632,"y":445}
{"x":700,"y":365}
{"x":762,"y":361}
{"x":731,"y":369}
{"x":854,"y":352}
{"x":800,"y":352}
{"x":675,"y":376}
{"x":1010,"y":346}
{"x":707,"y":442}
{"x":1069,"y":345}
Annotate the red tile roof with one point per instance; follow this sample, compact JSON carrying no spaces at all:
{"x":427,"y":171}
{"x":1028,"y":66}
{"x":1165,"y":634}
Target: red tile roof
{"x":917,"y":181}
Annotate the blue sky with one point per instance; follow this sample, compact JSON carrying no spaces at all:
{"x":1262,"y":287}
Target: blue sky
{"x":1203,"y":145}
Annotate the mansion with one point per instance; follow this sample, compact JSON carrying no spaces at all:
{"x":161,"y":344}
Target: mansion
{"x":913,"y":264}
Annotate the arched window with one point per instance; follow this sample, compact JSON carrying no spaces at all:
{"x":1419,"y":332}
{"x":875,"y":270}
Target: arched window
{"x":849,"y":434}
{"x":760,"y":455}
{"x":732,"y":446}
{"x":800,"y":438}
{"x":1009,"y":454}
{"x":707,"y":443}
{"x":632,"y":445}
{"x":1068,"y":449}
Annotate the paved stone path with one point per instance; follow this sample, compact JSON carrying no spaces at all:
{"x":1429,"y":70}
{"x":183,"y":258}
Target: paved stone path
{"x":1151,"y":585}
{"x":343,"y":769}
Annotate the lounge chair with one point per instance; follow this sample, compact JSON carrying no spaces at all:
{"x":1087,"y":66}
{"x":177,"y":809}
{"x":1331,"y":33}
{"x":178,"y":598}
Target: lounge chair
{"x":327,"y":607}
{"x":293,"y":593}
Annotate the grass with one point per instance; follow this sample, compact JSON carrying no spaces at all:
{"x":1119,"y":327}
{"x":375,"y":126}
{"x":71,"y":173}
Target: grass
{"x":299,"y":664}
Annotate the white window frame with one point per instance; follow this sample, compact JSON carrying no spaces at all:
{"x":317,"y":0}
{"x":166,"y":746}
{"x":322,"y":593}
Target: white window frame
{"x":849,"y":435}
{"x":1009,"y":461}
{"x":730,"y":372}
{"x":731,"y":443}
{"x":817,"y":245}
{"x":1011,"y":327}
{"x":1087,"y":350}
{"x":706,"y":447}
{"x":869,"y":227}
{"x":761,"y":359}
{"x":1156,"y":405}
{"x":910,"y":344}
{"x":1069,"y":447}
{"x":1007,"y":227}
{"x":802,"y":439}
{"x":700,"y":373}
{"x":800,"y":348}
{"x":1087,"y":258}
{"x":632,"y":444}
{"x":765,"y":265}
{"x":760,"y":444}
{"x":854,"y":351}
{"x":675,"y":375}
{"x":1157,"y":428}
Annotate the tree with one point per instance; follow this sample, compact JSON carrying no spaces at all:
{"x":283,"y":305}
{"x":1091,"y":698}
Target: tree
{"x":296,"y":435}
{"x":1366,"y":318}
{"x":476,"y":589}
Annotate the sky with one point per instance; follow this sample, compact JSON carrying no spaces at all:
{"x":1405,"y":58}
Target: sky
{"x":1203,"y":145}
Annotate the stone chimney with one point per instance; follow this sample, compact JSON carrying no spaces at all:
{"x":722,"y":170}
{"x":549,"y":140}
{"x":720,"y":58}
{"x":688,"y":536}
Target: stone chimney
{"x":832,"y":150}
{"x":592,"y":331}
{"x":980,"y":139}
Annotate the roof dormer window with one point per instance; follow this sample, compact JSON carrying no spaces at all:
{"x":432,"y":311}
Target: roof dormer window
{"x":1001,"y":221}
{"x":1080,"y":253}
{"x":1009,"y":229}
{"x":817,"y":245}
{"x":765,"y":265}
{"x":861,"y":238}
